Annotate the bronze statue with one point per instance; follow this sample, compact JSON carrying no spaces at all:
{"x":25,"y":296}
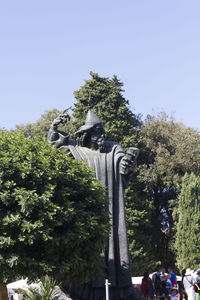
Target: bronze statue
{"x":113,"y":167}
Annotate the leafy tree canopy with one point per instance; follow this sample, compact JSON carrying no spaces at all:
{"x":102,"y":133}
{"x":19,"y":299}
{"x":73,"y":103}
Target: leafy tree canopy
{"x":171,"y":149}
{"x":53,"y":215}
{"x":168,"y":150}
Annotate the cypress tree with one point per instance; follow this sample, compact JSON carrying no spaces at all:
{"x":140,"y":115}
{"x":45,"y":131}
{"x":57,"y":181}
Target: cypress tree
{"x":188,"y":227}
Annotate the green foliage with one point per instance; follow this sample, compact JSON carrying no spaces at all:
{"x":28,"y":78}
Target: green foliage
{"x":41,"y":126}
{"x":53,"y":215}
{"x":104,"y":97}
{"x":140,"y":230}
{"x":168,"y":150}
{"x":47,"y":290}
{"x":188,"y":226}
{"x":168,"y":144}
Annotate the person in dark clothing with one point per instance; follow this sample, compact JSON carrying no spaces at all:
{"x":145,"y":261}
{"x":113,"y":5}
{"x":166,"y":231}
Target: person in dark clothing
{"x":157,"y":282}
{"x":147,"y":287}
{"x":163,"y":291}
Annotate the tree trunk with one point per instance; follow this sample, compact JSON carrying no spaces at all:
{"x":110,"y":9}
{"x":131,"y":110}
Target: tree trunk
{"x":3,"y":291}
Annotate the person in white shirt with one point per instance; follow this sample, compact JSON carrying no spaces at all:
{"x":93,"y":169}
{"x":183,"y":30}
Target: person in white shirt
{"x":189,"y":282}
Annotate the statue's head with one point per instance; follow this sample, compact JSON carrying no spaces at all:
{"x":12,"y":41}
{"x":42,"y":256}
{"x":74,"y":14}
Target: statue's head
{"x":92,"y":133}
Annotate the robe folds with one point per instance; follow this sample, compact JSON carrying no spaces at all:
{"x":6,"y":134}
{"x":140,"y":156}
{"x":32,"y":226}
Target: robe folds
{"x":106,"y":168}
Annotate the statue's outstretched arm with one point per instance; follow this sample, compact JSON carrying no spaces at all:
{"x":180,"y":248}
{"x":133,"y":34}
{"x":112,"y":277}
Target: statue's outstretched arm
{"x":57,"y":137}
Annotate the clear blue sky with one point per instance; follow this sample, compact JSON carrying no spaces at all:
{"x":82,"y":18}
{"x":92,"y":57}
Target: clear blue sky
{"x":48,"y":48}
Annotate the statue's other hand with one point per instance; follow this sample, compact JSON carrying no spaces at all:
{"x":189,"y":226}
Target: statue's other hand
{"x":127,"y":164}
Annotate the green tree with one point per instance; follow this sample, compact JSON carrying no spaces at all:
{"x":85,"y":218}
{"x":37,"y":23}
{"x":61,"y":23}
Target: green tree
{"x":168,"y":150}
{"x":188,"y":226}
{"x":140,"y":229}
{"x":42,"y":125}
{"x":53,"y":215}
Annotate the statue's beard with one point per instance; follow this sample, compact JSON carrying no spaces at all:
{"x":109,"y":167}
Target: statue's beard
{"x":98,"y":144}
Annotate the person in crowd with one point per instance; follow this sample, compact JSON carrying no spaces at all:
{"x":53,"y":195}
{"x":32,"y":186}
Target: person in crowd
{"x":168,"y":283}
{"x":173,"y":276}
{"x":189,"y":283}
{"x":181,"y":290}
{"x":198,"y":276}
{"x":147,"y":288}
{"x":174,"y":293}
{"x":164,"y":291}
{"x":157,"y":281}
{"x":197,"y":285}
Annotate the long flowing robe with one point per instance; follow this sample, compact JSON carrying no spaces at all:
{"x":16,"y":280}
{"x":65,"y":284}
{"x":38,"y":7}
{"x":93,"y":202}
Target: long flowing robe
{"x":106,"y":166}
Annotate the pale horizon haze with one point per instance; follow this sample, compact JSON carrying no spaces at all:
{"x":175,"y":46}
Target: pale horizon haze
{"x":49,"y":47}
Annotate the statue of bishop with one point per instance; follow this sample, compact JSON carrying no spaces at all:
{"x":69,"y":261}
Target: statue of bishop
{"x":113,"y":167}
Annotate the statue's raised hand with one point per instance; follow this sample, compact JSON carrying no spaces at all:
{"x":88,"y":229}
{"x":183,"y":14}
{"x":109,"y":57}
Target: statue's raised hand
{"x":62,"y":118}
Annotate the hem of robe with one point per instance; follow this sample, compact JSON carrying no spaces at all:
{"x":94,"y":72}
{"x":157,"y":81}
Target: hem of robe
{"x":88,"y":292}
